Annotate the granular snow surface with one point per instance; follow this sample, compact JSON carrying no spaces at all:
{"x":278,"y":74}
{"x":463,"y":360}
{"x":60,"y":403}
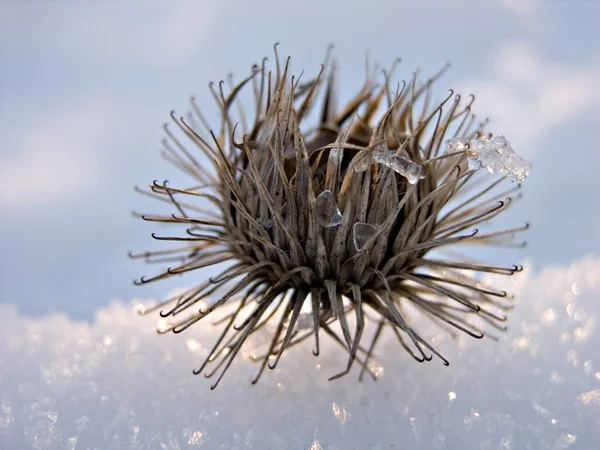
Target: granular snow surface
{"x":114,"y":384}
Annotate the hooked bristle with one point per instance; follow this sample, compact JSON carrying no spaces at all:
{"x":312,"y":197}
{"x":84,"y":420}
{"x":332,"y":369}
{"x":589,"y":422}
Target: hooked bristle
{"x":328,"y":225}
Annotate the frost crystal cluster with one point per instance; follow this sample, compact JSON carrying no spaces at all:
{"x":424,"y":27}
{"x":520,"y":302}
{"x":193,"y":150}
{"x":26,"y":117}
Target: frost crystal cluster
{"x":412,"y":171}
{"x":493,"y":153}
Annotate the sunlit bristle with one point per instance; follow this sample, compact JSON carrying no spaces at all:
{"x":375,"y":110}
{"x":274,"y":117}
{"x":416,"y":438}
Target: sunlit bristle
{"x":327,"y":215}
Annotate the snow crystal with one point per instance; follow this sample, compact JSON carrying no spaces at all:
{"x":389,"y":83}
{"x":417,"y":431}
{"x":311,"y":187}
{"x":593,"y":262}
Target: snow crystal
{"x":327,"y":211}
{"x":115,"y":384}
{"x":362,"y":233}
{"x":412,"y":171}
{"x":494,"y":154}
{"x":362,"y":161}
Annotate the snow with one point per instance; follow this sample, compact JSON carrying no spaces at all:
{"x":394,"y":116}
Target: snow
{"x":495,"y":154}
{"x":115,"y":384}
{"x":412,"y":171}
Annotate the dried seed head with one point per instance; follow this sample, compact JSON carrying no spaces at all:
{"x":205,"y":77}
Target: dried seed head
{"x":331,"y":224}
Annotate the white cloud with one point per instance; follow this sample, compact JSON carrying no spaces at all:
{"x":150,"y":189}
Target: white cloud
{"x":522,"y":6}
{"x":115,"y":384}
{"x":128,"y":33}
{"x":55,"y":157}
{"x":528,"y":96}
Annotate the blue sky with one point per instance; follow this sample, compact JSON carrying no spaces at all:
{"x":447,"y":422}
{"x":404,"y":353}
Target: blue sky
{"x":86,"y":86}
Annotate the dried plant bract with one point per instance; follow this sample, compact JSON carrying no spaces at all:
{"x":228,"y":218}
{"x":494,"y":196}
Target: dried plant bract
{"x":328,"y":219}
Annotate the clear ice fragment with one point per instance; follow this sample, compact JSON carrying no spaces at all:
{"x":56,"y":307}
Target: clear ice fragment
{"x":456,"y":145}
{"x":327,"y":211}
{"x":382,"y":155}
{"x":362,"y":233}
{"x":412,"y":171}
{"x":472,"y":162}
{"x":362,"y":161}
{"x":497,"y":156}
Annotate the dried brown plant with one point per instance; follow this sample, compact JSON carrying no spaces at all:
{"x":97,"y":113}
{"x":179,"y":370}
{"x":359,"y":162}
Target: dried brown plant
{"x":275,"y":188}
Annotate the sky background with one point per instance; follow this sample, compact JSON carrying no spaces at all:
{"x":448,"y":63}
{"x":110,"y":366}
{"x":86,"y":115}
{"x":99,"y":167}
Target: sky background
{"x":86,"y":86}
{"x":84,"y":90}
